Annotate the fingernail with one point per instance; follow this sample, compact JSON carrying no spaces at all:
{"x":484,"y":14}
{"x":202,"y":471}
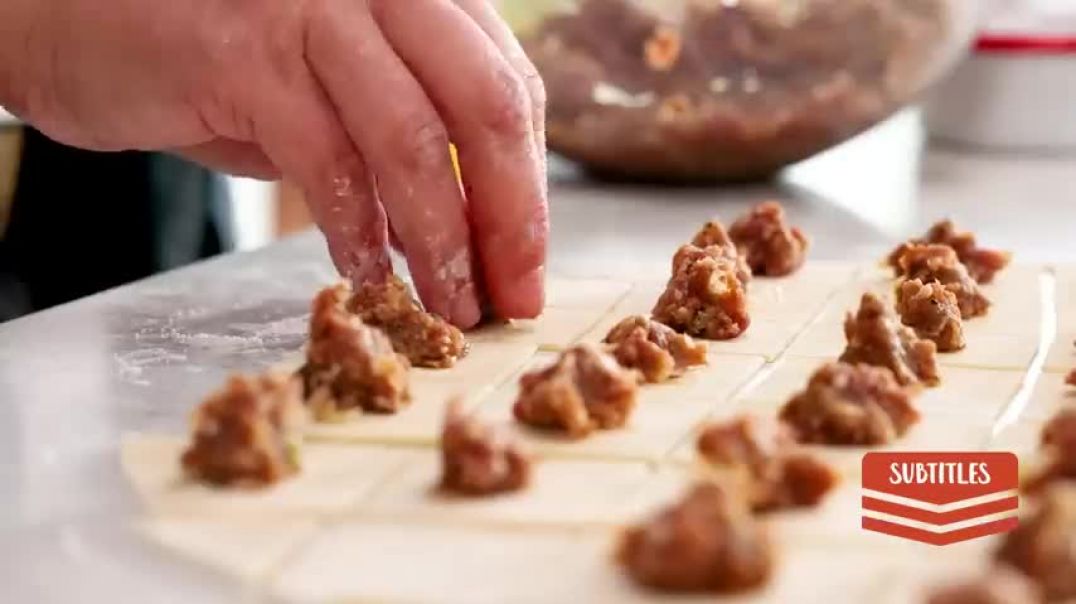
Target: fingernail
{"x":463,"y":309}
{"x":528,"y":295}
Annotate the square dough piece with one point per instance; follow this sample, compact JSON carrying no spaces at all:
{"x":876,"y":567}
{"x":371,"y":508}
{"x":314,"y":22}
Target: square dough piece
{"x":477,"y":375}
{"x":587,"y":294}
{"x":380,"y":562}
{"x":248,"y":550}
{"x":1065,"y":297}
{"x":1061,"y":357}
{"x":802,"y":295}
{"x":664,"y":415}
{"x":562,"y":492}
{"x":333,"y":480}
{"x":1049,"y":396}
{"x":556,"y":329}
{"x":1017,"y":302}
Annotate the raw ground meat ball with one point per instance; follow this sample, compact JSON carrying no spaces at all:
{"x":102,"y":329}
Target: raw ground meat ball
{"x":876,"y":338}
{"x":930,"y":263}
{"x":850,"y":405}
{"x":1000,"y":586}
{"x":772,"y":248}
{"x":350,"y":365}
{"x":478,"y":459}
{"x":584,"y":390}
{"x":765,"y":457}
{"x":932,"y":311}
{"x":704,"y":298}
{"x":982,"y":263}
{"x":654,"y":349}
{"x":1059,"y":452}
{"x":247,"y":433}
{"x":1043,"y":547}
{"x":707,"y":542}
{"x":713,"y":234}
{"x":425,"y":339}
{"x":1071,"y":378}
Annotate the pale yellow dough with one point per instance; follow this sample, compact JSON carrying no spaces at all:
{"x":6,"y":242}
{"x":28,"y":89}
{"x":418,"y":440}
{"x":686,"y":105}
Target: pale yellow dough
{"x":1061,"y":357}
{"x":333,"y":480}
{"x":585,"y":294}
{"x":556,"y":329}
{"x":248,"y":549}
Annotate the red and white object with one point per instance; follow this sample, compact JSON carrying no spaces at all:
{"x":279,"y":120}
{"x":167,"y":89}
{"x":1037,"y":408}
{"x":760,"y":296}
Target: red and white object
{"x":1018,"y":89}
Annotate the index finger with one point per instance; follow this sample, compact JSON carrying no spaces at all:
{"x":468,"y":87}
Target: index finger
{"x":486,"y":107}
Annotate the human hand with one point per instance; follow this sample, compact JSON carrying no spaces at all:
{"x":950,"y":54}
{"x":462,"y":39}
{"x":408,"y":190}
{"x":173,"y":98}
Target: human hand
{"x":355,"y":100}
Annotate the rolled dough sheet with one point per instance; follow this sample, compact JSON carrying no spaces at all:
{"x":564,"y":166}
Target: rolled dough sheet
{"x":1007,"y":338}
{"x":556,"y":329}
{"x":664,"y":415}
{"x":245,"y":549}
{"x":562,"y":492}
{"x":1049,"y":396}
{"x":586,"y":294}
{"x":1061,"y":357}
{"x":333,"y":480}
{"x":474,"y":378}
{"x":978,"y":393}
{"x":1065,"y":297}
{"x":780,"y":308}
{"x":445,"y":564}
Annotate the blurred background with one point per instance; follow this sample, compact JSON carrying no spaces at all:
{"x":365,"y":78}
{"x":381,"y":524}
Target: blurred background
{"x":707,"y":93}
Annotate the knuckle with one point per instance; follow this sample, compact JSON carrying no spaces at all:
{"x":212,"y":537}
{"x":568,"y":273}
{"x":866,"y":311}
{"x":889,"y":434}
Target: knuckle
{"x":508,"y":105}
{"x":536,"y":86}
{"x":421,"y":144}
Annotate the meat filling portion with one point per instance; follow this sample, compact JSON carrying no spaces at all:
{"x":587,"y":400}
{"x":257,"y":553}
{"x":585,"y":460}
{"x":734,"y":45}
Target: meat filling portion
{"x":875,"y":337}
{"x":704,"y":298}
{"x":350,"y":365}
{"x":1001,"y":586}
{"x":654,"y":349}
{"x":1043,"y":547}
{"x":982,"y":263}
{"x":425,"y":339}
{"x":1059,"y":452}
{"x":771,"y":246}
{"x":765,"y":459}
{"x":478,"y":459}
{"x":716,"y":241}
{"x":1071,"y":378}
{"x":930,"y":263}
{"x":847,"y":404}
{"x":247,"y":433}
{"x":932,"y":311}
{"x":708,"y":542}
{"x":584,"y":390}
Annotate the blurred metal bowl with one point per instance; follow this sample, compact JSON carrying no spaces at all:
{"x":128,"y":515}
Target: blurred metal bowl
{"x":688,"y":90}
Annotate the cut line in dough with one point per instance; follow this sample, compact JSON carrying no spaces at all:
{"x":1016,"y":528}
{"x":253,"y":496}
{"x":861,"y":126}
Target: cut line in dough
{"x":248,"y":550}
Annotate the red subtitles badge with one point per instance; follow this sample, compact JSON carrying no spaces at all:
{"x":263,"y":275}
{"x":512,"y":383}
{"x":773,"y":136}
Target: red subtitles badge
{"x":940,"y":498}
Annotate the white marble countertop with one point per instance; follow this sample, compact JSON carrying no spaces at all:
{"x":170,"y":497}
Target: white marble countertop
{"x":74,"y":379}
